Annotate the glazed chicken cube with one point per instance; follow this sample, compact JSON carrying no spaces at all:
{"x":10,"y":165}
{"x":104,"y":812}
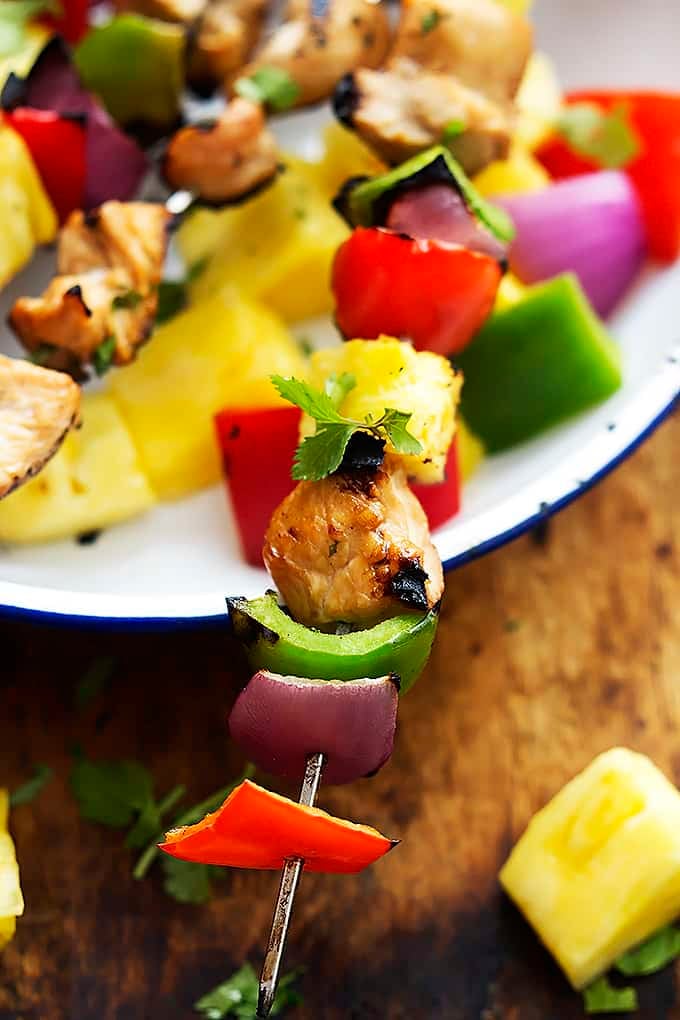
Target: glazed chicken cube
{"x":226,"y":36}
{"x":354,"y":547}
{"x":226,"y":159}
{"x":37,"y":409}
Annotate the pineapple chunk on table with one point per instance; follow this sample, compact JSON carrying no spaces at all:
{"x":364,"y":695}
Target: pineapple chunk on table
{"x":11,"y":899}
{"x":219,"y":353}
{"x":390,"y":373}
{"x":598,"y":869}
{"x":94,"y":480}
{"x":278,"y":247}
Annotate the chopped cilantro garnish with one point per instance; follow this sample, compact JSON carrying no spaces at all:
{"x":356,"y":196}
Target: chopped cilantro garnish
{"x":31,"y":788}
{"x":607,"y":137}
{"x":103,"y":355}
{"x":238,"y":996}
{"x":128,"y":299}
{"x":661,"y":949}
{"x":42,"y":354}
{"x":321,"y":454}
{"x":271,"y":86}
{"x":452,"y":130}
{"x":430,"y":21}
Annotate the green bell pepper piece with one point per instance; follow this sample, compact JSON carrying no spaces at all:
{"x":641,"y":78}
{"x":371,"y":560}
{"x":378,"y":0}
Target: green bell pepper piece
{"x":362,"y":203}
{"x":136,"y":67}
{"x":273,"y":641}
{"x":535,"y":364}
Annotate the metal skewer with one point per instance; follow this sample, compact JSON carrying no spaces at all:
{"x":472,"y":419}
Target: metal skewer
{"x":290,"y":878}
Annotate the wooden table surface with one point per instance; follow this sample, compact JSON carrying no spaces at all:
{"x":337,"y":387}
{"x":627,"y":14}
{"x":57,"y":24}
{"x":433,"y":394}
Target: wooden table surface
{"x":549,"y":651}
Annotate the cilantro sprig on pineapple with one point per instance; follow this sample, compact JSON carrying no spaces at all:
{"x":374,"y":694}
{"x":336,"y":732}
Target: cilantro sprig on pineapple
{"x":321,"y":454}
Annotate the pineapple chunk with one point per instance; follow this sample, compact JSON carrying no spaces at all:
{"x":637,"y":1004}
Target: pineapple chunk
{"x":345,"y":156}
{"x":598,"y":869}
{"x":20,"y":62}
{"x":471,"y":450}
{"x":218,"y":353}
{"x":390,"y":373}
{"x":94,"y":480}
{"x":26,"y":213}
{"x":539,"y":101}
{"x":11,"y":900}
{"x":277,"y":248}
{"x":520,"y":172}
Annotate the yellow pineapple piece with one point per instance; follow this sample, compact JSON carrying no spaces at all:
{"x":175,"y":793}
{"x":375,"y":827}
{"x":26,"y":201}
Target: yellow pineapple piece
{"x":471,"y":450}
{"x":390,"y":373}
{"x":219,"y":352}
{"x":510,"y":291}
{"x":538,"y":101}
{"x":93,"y":481}
{"x":11,"y":899}
{"x":277,"y":248}
{"x":26,"y":213}
{"x":518,"y":6}
{"x":520,"y":172}
{"x":598,"y":869}
{"x":22,"y":60}
{"x":345,"y":156}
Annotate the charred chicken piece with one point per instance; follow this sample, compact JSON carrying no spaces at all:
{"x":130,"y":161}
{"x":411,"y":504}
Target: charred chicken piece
{"x":182,"y":12}
{"x":453,"y":61}
{"x":37,"y":409}
{"x":353,"y":548}
{"x":225,"y":38}
{"x":110,"y":264}
{"x":317,"y":51}
{"x":226,"y":159}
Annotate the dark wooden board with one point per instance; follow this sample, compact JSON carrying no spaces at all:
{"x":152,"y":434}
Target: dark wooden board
{"x":549,"y":651}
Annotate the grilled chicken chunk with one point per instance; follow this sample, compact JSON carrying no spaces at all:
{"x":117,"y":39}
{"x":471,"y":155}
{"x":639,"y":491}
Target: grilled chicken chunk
{"x":227,"y":34}
{"x":37,"y":409}
{"x":317,"y":51}
{"x":353,"y":548}
{"x":182,"y":12}
{"x":225,"y":159}
{"x":110,"y":265}
{"x":452,"y":61}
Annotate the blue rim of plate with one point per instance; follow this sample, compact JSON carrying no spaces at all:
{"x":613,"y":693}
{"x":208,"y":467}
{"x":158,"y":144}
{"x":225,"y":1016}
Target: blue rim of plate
{"x":579,"y":472}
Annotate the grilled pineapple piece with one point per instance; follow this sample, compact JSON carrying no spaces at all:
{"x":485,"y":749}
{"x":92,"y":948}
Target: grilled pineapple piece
{"x":598,"y":869}
{"x":26,"y":213}
{"x":277,"y":247}
{"x":94,"y":480}
{"x":390,"y":373}
{"x":11,"y":900}
{"x":219,"y":352}
{"x":345,"y":155}
{"x":520,"y":172}
{"x":538,"y":101}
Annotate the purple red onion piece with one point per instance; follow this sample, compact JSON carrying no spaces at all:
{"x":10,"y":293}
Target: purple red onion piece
{"x":438,"y":213}
{"x":278,"y":721}
{"x":115,"y":163}
{"x":589,"y":225}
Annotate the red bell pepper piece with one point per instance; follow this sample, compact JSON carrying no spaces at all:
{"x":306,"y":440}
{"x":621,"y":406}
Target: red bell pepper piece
{"x":257,"y":446}
{"x":57,"y":145}
{"x":72,"y":20}
{"x":441,"y":502}
{"x":655,"y":171}
{"x":256,"y":828}
{"x":436,"y":294}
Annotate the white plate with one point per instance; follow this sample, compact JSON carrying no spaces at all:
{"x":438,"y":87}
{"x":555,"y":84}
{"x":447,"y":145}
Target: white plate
{"x":176,"y":564}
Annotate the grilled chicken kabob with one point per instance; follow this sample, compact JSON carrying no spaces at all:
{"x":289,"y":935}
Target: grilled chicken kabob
{"x":351,"y":555}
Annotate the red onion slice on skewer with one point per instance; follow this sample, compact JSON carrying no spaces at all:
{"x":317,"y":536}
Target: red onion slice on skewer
{"x":279,"y":721}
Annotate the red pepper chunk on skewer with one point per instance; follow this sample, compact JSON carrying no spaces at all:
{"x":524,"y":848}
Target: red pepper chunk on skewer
{"x":258,"y":829}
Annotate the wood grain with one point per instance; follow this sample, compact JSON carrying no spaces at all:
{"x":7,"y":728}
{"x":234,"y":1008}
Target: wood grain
{"x":550,"y":650}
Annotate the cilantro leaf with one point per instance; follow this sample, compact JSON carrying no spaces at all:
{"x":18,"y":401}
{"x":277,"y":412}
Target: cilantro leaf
{"x":186,"y":881}
{"x":604,"y":136}
{"x":394,"y":423}
{"x":238,"y":996}
{"x":338,"y":386}
{"x":29,"y":790}
{"x":603,"y":997}
{"x":103,"y":355}
{"x":652,"y":955}
{"x":172,"y":299}
{"x":430,"y":21}
{"x":321,"y":454}
{"x":317,"y":404}
{"x":111,"y":792}
{"x":452,"y":130}
{"x":14,"y":14}
{"x":41,"y":354}
{"x":271,"y":86}
{"x":127,"y":299}
{"x":94,"y":681}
